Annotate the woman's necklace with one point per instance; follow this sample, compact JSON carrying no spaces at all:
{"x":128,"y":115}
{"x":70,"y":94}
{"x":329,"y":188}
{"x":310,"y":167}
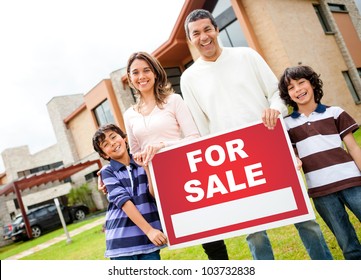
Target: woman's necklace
{"x":147,"y":117}
{"x":146,"y":120}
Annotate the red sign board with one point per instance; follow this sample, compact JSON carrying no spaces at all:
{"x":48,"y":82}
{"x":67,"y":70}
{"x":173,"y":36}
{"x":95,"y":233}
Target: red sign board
{"x":229,"y":184}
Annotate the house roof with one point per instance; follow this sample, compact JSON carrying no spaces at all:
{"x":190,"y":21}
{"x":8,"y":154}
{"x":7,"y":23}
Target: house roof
{"x":37,"y":179}
{"x":176,"y":48}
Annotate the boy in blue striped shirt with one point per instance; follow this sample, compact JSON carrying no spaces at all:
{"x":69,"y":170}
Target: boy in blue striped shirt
{"x":133,"y":229}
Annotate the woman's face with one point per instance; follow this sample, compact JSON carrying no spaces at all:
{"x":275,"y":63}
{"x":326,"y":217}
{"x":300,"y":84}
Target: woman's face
{"x":141,"y":76}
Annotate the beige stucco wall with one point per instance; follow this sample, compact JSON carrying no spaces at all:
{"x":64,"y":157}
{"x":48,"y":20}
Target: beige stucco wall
{"x":20,"y":159}
{"x":288,"y":38}
{"x":82,"y":129}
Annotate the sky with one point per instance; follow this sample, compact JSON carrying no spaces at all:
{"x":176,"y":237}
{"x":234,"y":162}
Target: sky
{"x":59,"y":47}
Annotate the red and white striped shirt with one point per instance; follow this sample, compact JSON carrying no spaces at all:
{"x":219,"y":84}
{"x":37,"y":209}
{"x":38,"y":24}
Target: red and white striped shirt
{"x":318,"y":138}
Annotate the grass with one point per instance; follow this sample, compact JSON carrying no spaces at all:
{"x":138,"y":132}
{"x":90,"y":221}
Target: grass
{"x":18,"y":247}
{"x":357,"y":135}
{"x":90,"y":245}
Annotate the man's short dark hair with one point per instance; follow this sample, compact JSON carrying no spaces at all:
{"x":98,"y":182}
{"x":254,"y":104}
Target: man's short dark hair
{"x":197,"y":15}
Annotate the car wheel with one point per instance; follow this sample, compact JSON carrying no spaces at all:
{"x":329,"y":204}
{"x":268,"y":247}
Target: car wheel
{"x":79,"y":214}
{"x":36,"y":231}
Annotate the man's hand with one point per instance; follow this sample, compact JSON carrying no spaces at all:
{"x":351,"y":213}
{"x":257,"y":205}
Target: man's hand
{"x":269,"y":117}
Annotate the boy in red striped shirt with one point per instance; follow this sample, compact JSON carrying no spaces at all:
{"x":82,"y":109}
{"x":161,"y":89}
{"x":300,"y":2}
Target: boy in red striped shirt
{"x":319,"y":134}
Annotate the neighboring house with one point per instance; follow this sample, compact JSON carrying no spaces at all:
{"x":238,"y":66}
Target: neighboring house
{"x":323,"y":34}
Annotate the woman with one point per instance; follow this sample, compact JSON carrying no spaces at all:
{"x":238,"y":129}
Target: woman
{"x":160,"y":118}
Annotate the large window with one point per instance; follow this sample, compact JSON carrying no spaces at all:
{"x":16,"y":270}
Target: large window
{"x":322,"y":18}
{"x":103,"y":113}
{"x":34,"y":170}
{"x":173,"y":75}
{"x":230,"y":32}
{"x":337,"y":8}
{"x":351,"y":87}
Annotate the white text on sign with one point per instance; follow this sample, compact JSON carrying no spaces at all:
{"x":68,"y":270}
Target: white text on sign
{"x":215,"y":185}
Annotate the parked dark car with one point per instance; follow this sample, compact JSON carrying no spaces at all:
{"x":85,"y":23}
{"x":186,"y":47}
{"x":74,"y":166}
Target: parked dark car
{"x":43,"y":219}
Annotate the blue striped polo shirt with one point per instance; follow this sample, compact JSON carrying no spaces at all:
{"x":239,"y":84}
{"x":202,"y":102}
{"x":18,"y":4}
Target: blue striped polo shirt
{"x":123,"y":237}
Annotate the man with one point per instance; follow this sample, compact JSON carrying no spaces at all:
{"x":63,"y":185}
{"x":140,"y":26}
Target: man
{"x":227,"y":88}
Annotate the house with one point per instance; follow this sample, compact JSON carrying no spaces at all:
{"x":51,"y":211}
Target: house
{"x":323,"y":34}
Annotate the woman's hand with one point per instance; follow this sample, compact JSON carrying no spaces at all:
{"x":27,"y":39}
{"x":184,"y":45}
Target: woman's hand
{"x":144,"y":157}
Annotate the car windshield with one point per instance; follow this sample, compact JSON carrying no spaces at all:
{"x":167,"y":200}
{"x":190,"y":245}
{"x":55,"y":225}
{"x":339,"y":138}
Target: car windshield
{"x":18,"y":220}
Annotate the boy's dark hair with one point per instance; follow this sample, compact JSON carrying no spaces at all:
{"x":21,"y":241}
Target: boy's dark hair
{"x":196,"y":15}
{"x":296,"y":73}
{"x":99,"y":137}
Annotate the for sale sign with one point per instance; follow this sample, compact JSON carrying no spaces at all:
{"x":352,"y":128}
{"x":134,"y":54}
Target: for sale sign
{"x":229,"y":184}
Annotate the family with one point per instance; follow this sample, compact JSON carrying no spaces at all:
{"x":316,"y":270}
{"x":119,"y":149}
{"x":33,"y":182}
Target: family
{"x":226,"y":88}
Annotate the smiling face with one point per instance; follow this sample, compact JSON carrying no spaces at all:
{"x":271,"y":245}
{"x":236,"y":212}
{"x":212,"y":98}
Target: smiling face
{"x":142,"y":76}
{"x":114,"y":146}
{"x":301,"y":92}
{"x":203,"y":35}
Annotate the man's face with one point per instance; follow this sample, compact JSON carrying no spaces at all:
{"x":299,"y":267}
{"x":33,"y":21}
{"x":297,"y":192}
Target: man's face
{"x":203,"y":36}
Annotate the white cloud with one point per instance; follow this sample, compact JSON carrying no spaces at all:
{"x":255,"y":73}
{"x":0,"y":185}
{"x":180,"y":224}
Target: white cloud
{"x":52,"y":47}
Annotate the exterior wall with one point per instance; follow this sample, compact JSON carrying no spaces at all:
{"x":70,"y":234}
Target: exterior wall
{"x":59,"y":108}
{"x":354,"y":13}
{"x":122,"y":91}
{"x":19,"y":159}
{"x":288,"y":38}
{"x":82,"y":129}
{"x":97,"y":95}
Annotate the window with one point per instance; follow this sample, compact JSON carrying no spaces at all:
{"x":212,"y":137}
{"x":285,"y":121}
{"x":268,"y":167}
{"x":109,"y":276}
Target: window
{"x":188,"y":64}
{"x":220,"y":7}
{"x":133,"y":93}
{"x":351,"y":87}
{"x":322,"y":18}
{"x":103,"y":113}
{"x":230,"y":32}
{"x":90,"y":176}
{"x":337,"y":8}
{"x":173,"y":75}
{"x":34,"y":170}
{"x":52,"y":209}
{"x":232,"y":36}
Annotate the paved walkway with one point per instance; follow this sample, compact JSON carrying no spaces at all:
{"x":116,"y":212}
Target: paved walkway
{"x":57,"y":239}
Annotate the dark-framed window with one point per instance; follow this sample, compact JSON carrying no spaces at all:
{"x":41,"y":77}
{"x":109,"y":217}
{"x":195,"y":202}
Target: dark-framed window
{"x":37,"y":169}
{"x":188,"y":64}
{"x":133,"y":93}
{"x":322,"y":18}
{"x":337,"y":7}
{"x":88,"y":177}
{"x":173,"y":75}
{"x":356,"y":97}
{"x":230,"y":31}
{"x":103,"y":113}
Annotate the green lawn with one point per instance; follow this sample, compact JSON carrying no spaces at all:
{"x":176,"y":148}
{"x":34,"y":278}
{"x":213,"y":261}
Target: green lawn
{"x":90,"y":245}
